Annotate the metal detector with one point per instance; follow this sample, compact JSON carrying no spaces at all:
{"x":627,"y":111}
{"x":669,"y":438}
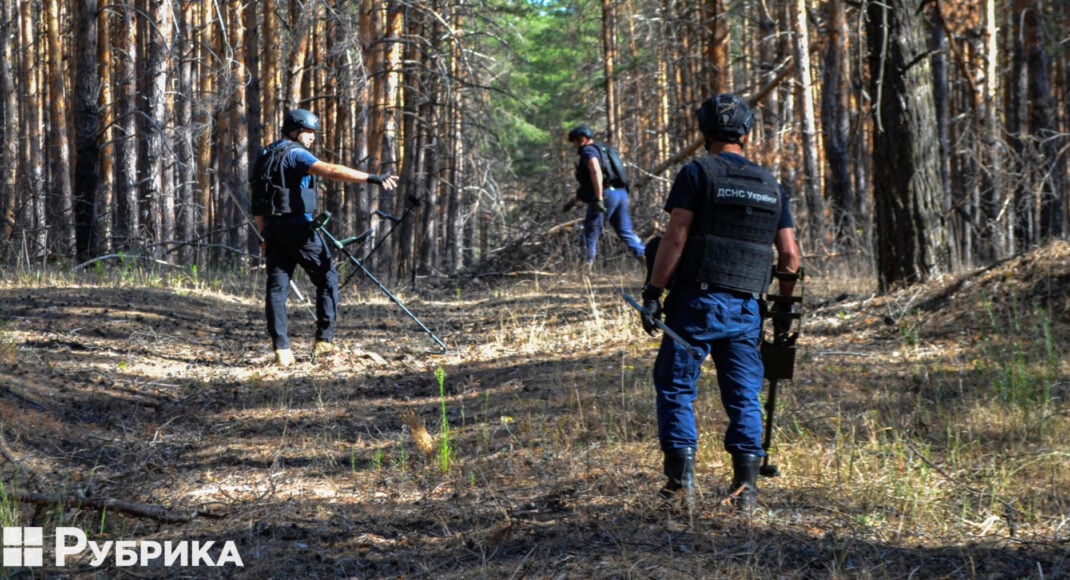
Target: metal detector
{"x":340,"y":245}
{"x":414,"y":202}
{"x":778,"y":358}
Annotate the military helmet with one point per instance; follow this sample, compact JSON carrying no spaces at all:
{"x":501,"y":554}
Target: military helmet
{"x":580,"y":131}
{"x":725,"y":117}
{"x":300,"y":119}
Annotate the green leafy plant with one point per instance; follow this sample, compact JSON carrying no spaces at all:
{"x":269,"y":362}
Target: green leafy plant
{"x":445,"y":451}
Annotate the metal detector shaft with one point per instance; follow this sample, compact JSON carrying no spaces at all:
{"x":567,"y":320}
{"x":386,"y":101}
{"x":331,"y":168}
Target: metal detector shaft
{"x":664,"y":327}
{"x":770,"y":410}
{"x":356,"y":262}
{"x":396,"y":221}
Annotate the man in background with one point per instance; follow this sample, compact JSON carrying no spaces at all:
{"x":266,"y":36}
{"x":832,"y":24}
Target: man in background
{"x":604,"y":201}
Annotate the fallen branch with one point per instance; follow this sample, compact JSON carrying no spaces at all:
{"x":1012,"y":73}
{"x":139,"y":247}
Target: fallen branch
{"x":516,"y":273}
{"x":560,"y":227}
{"x":123,"y":257}
{"x":127,"y":507}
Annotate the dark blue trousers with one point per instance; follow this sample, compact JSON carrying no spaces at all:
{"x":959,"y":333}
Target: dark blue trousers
{"x":290,"y":245}
{"x":727,"y":327}
{"x":619,"y":218}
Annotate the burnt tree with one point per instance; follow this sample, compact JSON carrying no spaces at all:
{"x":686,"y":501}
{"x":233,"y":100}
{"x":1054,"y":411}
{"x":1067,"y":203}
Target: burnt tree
{"x":912,"y":241}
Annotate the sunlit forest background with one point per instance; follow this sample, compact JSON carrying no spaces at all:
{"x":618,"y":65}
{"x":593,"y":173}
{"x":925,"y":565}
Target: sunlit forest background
{"x":917,"y":138}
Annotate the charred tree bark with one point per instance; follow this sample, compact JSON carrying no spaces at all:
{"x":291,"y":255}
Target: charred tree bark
{"x":86,"y":130}
{"x":1050,"y":162}
{"x":911,"y":231}
{"x":835,"y":119}
{"x":156,"y":192}
{"x":941,"y":100}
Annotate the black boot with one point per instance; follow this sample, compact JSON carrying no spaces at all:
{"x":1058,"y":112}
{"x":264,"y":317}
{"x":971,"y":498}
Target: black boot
{"x":680,"y":469}
{"x":745,"y":467}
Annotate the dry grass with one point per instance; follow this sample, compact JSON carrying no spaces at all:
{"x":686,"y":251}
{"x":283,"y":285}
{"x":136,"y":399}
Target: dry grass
{"x":924,"y":434}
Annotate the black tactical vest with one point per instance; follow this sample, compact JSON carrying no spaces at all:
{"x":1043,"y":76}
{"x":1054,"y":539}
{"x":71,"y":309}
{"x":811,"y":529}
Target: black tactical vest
{"x":735,"y":223}
{"x":271,"y":196}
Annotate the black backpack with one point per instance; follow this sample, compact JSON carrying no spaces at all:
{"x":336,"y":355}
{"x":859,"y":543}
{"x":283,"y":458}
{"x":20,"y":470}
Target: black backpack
{"x":613,"y":172}
{"x":268,"y":194}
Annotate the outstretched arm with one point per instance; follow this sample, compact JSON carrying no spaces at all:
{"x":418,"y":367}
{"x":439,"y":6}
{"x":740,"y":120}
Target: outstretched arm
{"x":336,"y":172}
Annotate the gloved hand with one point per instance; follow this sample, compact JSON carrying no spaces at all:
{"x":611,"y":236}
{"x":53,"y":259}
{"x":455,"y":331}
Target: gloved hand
{"x":571,"y":204}
{"x":377,"y":179}
{"x":782,"y":317}
{"x":651,"y":308}
{"x":600,"y":206}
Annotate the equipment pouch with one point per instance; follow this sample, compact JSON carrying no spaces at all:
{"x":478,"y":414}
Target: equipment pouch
{"x":779,"y":360}
{"x":308,"y":200}
{"x":280,"y":202}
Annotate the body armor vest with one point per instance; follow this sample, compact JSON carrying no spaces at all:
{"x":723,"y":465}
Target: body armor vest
{"x":735,"y":223}
{"x":280,"y":199}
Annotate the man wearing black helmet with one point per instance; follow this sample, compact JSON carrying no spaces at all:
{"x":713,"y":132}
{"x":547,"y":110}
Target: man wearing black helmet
{"x":725,"y":216}
{"x":289,"y":240}
{"x":604,"y":201}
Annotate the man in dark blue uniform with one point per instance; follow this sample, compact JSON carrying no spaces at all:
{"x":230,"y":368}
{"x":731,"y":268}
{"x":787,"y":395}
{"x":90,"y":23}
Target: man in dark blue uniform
{"x":725,"y":216}
{"x":604,"y":202}
{"x":289,"y":240}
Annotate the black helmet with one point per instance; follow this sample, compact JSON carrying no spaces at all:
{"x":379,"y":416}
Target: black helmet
{"x":725,"y":117}
{"x":580,"y":131}
{"x":300,"y":119}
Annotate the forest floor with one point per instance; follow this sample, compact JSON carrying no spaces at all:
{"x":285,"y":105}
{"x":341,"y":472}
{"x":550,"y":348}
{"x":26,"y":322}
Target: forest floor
{"x":923,"y":435}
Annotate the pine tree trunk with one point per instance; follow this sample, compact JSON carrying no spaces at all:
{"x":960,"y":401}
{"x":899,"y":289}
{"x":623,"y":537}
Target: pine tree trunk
{"x":911,"y":232}
{"x":1000,"y":215}
{"x":238,"y":173}
{"x":35,"y":213}
{"x":184,"y":131}
{"x":9,"y":131}
{"x":717,"y":46}
{"x":941,"y":100}
{"x":104,"y":211}
{"x":769,"y":56}
{"x":837,"y":127}
{"x":269,"y":77}
{"x":161,"y":202}
{"x":1050,"y":160}
{"x":86,"y":128}
{"x":127,"y":223}
{"x":204,"y":119}
{"x":609,"y":57}
{"x":811,"y":172}
{"x":62,"y":204}
{"x":302,"y":21}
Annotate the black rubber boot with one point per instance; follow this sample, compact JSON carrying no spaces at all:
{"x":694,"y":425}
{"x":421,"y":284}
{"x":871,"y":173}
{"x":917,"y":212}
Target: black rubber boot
{"x":680,"y":471}
{"x":745,"y":468}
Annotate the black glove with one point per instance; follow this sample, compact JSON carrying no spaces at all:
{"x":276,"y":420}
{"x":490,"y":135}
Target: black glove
{"x":600,"y":206}
{"x":377,"y":179}
{"x":651,"y":308}
{"x":571,"y":204}
{"x":782,"y":316}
